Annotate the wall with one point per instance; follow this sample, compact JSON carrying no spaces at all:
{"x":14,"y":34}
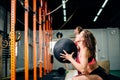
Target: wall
{"x":114,"y":48}
{"x":2,"y":18}
{"x":20,"y":52}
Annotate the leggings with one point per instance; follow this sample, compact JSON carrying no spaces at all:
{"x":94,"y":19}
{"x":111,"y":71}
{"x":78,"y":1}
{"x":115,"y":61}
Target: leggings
{"x":100,"y":72}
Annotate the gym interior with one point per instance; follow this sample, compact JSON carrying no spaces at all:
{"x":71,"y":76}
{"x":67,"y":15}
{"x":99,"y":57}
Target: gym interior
{"x":29,"y":31}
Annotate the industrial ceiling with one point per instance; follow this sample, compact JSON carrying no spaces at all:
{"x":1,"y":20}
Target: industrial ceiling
{"x":78,"y":12}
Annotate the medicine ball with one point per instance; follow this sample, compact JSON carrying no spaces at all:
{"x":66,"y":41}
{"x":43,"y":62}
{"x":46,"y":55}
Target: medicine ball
{"x":67,"y":45}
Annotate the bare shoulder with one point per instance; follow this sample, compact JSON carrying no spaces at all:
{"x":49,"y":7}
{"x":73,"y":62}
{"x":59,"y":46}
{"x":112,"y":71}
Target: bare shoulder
{"x":85,"y":52}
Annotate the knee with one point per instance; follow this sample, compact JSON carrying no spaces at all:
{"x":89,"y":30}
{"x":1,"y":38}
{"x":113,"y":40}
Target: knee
{"x":74,"y":78}
{"x":80,"y":78}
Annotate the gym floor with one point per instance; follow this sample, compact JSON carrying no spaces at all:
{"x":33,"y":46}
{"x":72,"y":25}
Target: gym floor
{"x":53,"y":75}
{"x":115,"y":72}
{"x":56,"y":75}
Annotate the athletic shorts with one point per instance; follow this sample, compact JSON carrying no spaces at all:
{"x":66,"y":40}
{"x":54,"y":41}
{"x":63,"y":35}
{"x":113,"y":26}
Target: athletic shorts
{"x":100,"y":72}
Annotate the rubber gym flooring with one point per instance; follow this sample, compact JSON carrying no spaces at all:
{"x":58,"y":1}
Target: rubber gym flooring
{"x":53,"y":75}
{"x":56,"y":75}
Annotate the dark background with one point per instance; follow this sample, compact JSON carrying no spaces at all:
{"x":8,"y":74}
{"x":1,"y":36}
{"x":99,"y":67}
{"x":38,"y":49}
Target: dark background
{"x":82,"y":12}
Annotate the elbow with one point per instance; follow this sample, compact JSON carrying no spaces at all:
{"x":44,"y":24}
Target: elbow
{"x":83,"y":70}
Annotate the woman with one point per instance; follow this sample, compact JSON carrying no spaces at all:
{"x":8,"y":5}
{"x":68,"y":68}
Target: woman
{"x":77,"y":31}
{"x":86,"y":63}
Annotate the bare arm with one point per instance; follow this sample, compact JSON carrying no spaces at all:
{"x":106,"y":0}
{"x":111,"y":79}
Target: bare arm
{"x":82,"y":66}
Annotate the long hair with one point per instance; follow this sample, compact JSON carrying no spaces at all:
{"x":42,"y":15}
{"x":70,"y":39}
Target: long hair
{"x":90,"y":41}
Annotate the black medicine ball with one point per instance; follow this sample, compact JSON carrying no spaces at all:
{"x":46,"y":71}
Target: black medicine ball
{"x":67,"y":45}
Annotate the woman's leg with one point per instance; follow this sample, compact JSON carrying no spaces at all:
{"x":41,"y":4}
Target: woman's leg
{"x":87,"y":77}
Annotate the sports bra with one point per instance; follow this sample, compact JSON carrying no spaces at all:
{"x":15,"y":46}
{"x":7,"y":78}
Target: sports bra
{"x":90,"y":59}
